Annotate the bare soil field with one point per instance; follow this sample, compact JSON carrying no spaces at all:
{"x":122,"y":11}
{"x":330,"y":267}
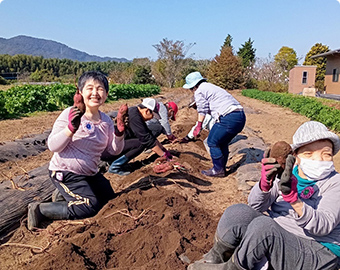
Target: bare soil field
{"x":157,"y":221}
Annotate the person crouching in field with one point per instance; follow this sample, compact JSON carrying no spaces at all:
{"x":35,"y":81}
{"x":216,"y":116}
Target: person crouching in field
{"x":225,"y":110}
{"x":302,"y":228}
{"x":138,"y":137}
{"x":162,"y":126}
{"x":79,"y":136}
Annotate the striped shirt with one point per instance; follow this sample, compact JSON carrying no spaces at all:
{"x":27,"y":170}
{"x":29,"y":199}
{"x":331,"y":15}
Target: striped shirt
{"x":81,"y":153}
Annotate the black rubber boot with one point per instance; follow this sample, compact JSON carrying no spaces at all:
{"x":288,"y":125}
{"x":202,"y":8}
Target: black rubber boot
{"x":37,"y":212}
{"x":56,"y":196}
{"x":34,"y":217}
{"x":218,"y":170}
{"x":219,"y":253}
{"x":54,"y":210}
{"x":117,"y":166}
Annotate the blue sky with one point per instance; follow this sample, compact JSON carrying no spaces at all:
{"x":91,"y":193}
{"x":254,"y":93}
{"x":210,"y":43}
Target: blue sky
{"x":129,"y":28}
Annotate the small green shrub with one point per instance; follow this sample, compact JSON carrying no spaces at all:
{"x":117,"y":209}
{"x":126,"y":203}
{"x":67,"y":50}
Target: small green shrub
{"x":23,"y":99}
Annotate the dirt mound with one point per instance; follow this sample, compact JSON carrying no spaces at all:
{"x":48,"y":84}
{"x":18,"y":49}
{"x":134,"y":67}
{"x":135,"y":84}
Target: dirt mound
{"x":152,"y":228}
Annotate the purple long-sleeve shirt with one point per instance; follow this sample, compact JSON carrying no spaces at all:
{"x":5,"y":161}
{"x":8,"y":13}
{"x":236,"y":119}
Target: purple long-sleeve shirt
{"x":81,"y":153}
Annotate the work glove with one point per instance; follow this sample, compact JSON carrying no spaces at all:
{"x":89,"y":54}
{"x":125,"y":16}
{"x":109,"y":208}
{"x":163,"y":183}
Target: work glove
{"x":288,"y":181}
{"x":121,"y":120}
{"x":269,"y":169}
{"x":186,"y":139}
{"x":171,"y":137}
{"x":74,"y":118}
{"x":167,"y":155}
{"x":197,"y":129}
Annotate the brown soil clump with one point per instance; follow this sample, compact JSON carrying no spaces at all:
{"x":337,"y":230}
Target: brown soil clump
{"x":140,"y":229}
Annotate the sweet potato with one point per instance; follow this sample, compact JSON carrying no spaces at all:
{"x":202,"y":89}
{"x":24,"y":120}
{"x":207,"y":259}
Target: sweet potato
{"x":280,"y":150}
{"x":79,"y":101}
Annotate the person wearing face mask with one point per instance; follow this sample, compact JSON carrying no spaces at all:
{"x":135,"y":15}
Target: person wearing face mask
{"x":301,"y":227}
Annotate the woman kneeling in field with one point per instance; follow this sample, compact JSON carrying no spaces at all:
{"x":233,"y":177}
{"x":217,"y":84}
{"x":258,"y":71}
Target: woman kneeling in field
{"x":79,"y":136}
{"x":302,"y":228}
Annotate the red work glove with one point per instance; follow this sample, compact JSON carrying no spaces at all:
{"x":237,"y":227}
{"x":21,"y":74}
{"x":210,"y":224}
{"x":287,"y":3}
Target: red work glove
{"x":171,"y":137}
{"x":74,"y":117}
{"x":167,"y":155}
{"x":288,"y":182}
{"x":197,"y":129}
{"x":269,"y":169}
{"x":121,"y":120}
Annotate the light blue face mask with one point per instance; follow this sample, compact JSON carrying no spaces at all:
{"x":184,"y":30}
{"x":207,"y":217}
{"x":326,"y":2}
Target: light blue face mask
{"x":316,"y":169}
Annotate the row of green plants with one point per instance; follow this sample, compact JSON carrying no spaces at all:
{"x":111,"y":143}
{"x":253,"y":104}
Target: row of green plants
{"x":308,"y":106}
{"x":24,"y":99}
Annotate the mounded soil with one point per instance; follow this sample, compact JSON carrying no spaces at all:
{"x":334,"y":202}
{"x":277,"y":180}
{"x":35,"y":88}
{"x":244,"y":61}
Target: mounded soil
{"x":157,"y":221}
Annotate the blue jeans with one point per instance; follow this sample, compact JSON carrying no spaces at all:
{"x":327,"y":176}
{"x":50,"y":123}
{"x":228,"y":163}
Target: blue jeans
{"x":223,"y":132}
{"x":256,"y":236}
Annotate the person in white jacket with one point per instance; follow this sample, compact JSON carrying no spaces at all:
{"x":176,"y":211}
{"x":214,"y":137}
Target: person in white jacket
{"x":302,"y":227}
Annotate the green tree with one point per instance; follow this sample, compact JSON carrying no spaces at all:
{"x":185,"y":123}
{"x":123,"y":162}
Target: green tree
{"x":247,"y":53}
{"x":226,"y":70}
{"x":286,"y":59}
{"x":319,"y":62}
{"x":142,"y":74}
{"x":171,"y":61}
{"x":227,"y":41}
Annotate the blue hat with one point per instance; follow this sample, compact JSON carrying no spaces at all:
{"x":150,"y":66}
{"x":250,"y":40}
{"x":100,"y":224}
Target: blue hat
{"x":192,"y":79}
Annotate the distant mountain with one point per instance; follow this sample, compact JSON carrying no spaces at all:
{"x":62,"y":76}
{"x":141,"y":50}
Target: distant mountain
{"x":47,"y":49}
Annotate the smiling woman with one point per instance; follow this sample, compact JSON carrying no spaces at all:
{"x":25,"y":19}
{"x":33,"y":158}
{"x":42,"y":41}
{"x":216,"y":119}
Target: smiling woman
{"x":94,"y":94}
{"x":77,"y":141}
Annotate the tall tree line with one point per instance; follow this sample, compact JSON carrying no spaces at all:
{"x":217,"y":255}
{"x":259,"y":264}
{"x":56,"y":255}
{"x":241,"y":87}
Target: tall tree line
{"x":58,"y":67}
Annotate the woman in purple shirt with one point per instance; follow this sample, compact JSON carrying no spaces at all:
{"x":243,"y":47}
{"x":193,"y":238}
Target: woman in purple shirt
{"x":225,"y":110}
{"x":77,"y":141}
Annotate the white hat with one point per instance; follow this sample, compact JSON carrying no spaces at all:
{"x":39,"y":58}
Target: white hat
{"x":152,"y":105}
{"x":313,"y":131}
{"x":192,"y":79}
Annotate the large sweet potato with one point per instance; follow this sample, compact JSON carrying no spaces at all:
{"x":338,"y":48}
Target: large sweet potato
{"x":280,"y":150}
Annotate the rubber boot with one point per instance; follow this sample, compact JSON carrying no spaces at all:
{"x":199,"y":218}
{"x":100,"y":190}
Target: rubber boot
{"x":117,"y":166}
{"x":219,"y":253}
{"x":37,"y":212}
{"x":218,"y":170}
{"x":231,"y":264}
{"x":56,"y":196}
{"x":54,"y":210}
{"x":34,"y":217}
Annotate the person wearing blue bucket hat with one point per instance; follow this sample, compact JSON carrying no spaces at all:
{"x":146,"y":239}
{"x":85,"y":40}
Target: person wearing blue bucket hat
{"x":227,"y":113}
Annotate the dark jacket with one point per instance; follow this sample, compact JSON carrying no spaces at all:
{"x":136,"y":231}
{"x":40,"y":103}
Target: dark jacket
{"x":137,"y":128}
